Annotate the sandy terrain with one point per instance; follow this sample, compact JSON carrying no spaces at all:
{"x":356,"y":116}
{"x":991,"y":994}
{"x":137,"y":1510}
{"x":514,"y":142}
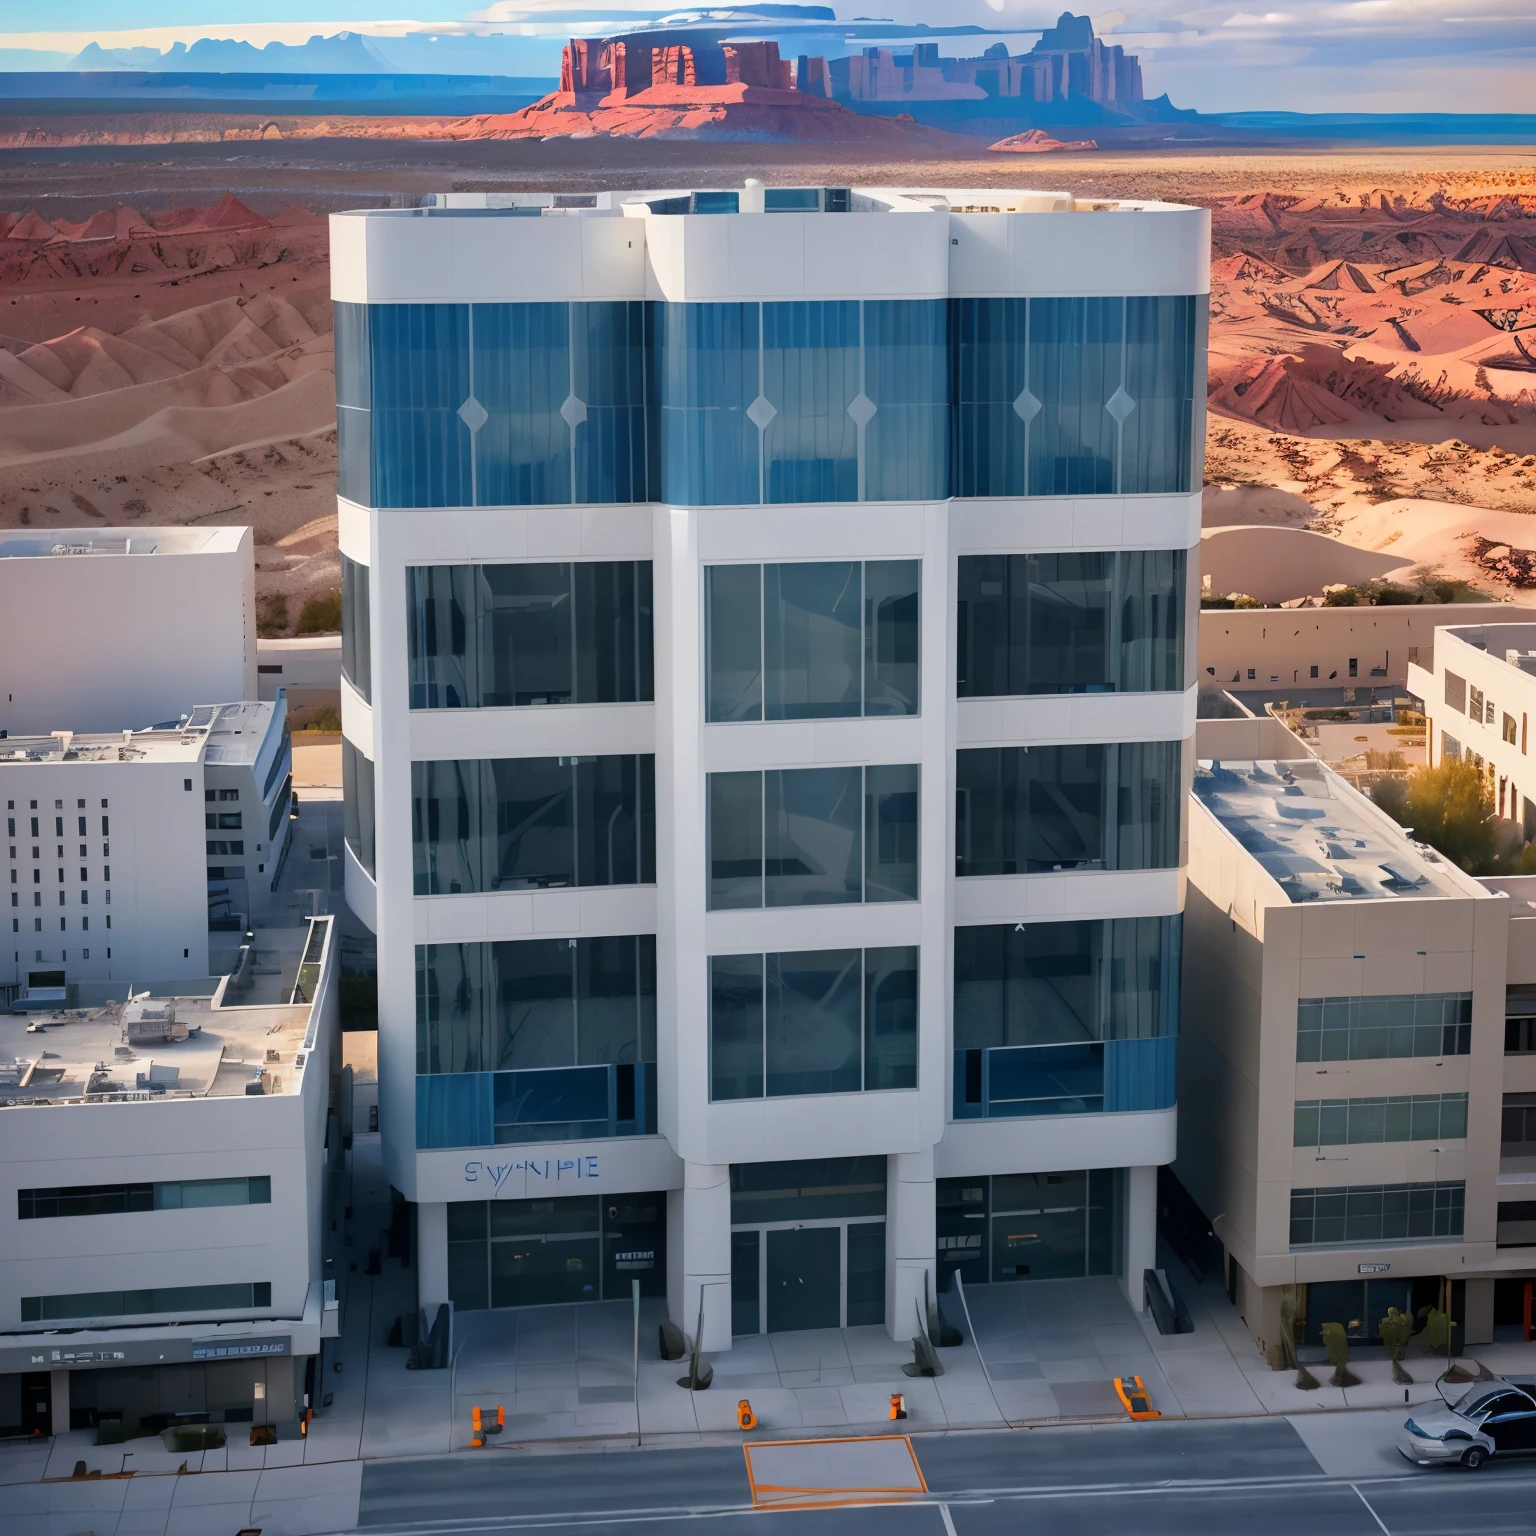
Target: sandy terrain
{"x":1373,"y":327}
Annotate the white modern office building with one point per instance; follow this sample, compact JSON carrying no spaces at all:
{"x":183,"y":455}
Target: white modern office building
{"x":768,"y":692}
{"x":162,"y":1171}
{"x":121,"y":849}
{"x":111,"y":629}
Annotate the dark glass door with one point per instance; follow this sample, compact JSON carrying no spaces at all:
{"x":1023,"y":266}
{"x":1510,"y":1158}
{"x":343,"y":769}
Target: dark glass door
{"x":746,"y":1316}
{"x":805,"y":1279}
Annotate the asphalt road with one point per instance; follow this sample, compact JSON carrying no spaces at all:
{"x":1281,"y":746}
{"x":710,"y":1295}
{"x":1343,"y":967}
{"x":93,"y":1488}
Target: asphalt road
{"x":1249,"y":1476}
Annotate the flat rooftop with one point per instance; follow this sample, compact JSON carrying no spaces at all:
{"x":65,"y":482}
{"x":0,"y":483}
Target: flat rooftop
{"x":1316,"y":837}
{"x":720,"y":200}
{"x":137,"y":1048}
{"x":228,"y":734}
{"x":92,"y":1055}
{"x":1514,"y":644}
{"x":237,"y":734}
{"x":119,"y":541}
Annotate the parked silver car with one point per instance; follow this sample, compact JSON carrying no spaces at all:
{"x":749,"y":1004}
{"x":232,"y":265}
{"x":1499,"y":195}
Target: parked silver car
{"x":1491,"y":1418}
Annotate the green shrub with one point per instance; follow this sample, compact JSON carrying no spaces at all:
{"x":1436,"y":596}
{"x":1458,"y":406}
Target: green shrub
{"x":321,"y":615}
{"x":1336,"y":1342}
{"x":1396,"y":1328}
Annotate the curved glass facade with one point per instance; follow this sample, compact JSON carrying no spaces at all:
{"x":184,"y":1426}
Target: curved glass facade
{"x":766,"y":403}
{"x":1075,"y":397}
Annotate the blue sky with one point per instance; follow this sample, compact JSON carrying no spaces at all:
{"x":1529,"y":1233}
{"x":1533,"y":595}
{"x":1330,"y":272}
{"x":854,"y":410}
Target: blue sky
{"x":1224,"y":55}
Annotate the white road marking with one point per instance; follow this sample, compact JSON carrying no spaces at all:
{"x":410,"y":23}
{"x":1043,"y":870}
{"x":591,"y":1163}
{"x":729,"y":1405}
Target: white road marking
{"x":949,"y":1525}
{"x":1374,"y":1516}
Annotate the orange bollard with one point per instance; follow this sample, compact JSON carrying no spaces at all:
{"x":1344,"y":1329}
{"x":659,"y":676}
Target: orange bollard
{"x":898,"y":1405}
{"x":476,"y":1434}
{"x":501,"y":1417}
{"x":745,"y":1418}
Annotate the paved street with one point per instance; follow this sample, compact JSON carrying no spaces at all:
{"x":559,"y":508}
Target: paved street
{"x":1256,"y":1476}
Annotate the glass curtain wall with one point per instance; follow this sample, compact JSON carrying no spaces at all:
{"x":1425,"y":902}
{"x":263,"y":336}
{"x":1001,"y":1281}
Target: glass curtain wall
{"x":812,"y":1021}
{"x":1376,"y":1213}
{"x":807,"y":401}
{"x":1410,"y":1117}
{"x":489,"y":636}
{"x":456,"y":405}
{"x":815,"y":640}
{"x":356,"y":653}
{"x":1099,"y":621}
{"x":533,"y":823}
{"x":725,"y":404}
{"x":1029,"y":1226}
{"x":799,"y":837}
{"x":357,"y":804}
{"x":1020,"y":810}
{"x":1075,"y":397}
{"x":535,"y":1040}
{"x":1065,"y":1018}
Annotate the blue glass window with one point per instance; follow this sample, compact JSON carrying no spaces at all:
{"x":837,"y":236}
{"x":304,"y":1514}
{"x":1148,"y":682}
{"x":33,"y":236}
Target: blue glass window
{"x":535,"y":1004}
{"x":356,"y":646}
{"x":1074,"y":397}
{"x":708,"y":375}
{"x":812,"y":1021}
{"x":814,"y":640}
{"x":1021,"y":810}
{"x":811,"y":377}
{"x":419,"y":355}
{"x":527,"y":633}
{"x":533,"y":823}
{"x":481,"y":1109}
{"x":1090,"y":1007}
{"x":354,"y":398}
{"x":1099,"y":621}
{"x":906,"y":440}
{"x":521,"y":379}
{"x":357,"y":804}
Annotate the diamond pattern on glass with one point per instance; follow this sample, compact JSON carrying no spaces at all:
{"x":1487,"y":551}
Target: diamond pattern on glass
{"x":1120,"y":405}
{"x":1025,"y":406}
{"x":574,"y":411}
{"x":861,"y":408}
{"x":473,"y":414}
{"x":761,"y":412}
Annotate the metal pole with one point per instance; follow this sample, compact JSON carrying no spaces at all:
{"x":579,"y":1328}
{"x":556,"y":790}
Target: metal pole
{"x":634,"y":1294}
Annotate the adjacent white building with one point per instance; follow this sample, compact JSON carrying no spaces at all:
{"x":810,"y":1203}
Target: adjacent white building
{"x":110,"y":629}
{"x":768,"y":684}
{"x":121,"y":849}
{"x":161,"y":1177}
{"x":1479,"y":694}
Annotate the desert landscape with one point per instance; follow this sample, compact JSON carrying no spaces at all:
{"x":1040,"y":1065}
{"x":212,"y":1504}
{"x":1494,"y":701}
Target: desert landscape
{"x":165,"y":352}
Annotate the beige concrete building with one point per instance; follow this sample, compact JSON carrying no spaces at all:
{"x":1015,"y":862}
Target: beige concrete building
{"x":1243,"y":648}
{"x":1343,"y":1073}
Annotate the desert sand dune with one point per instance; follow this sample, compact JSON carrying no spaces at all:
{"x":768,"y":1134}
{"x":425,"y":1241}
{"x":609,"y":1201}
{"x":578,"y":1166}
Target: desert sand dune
{"x":1373,"y":365}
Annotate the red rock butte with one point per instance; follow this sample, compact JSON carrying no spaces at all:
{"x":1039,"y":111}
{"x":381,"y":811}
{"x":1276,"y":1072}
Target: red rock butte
{"x":654,"y":85}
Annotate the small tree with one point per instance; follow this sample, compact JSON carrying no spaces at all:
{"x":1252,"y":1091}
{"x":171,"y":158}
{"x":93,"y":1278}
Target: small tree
{"x":1392,"y":796}
{"x":1305,"y":1380}
{"x":1438,"y":1330}
{"x":1336,"y":1342}
{"x":1449,"y":808}
{"x":1396,"y":1328}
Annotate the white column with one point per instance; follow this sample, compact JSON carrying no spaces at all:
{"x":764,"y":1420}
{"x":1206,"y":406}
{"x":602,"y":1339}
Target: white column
{"x":58,"y":1401}
{"x":431,"y":1256}
{"x":1140,"y":1238}
{"x":700,"y":1245}
{"x":909,"y":1240}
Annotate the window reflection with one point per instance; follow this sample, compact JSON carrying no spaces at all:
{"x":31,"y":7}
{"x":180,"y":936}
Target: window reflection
{"x":527,"y":633}
{"x":1100,"y":621}
{"x":812,"y":836}
{"x":812,"y":640}
{"x":533,"y":823}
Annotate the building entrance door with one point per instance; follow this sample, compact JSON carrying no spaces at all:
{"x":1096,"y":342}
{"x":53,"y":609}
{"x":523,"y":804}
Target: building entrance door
{"x":828,"y":1274}
{"x":805,"y":1278}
